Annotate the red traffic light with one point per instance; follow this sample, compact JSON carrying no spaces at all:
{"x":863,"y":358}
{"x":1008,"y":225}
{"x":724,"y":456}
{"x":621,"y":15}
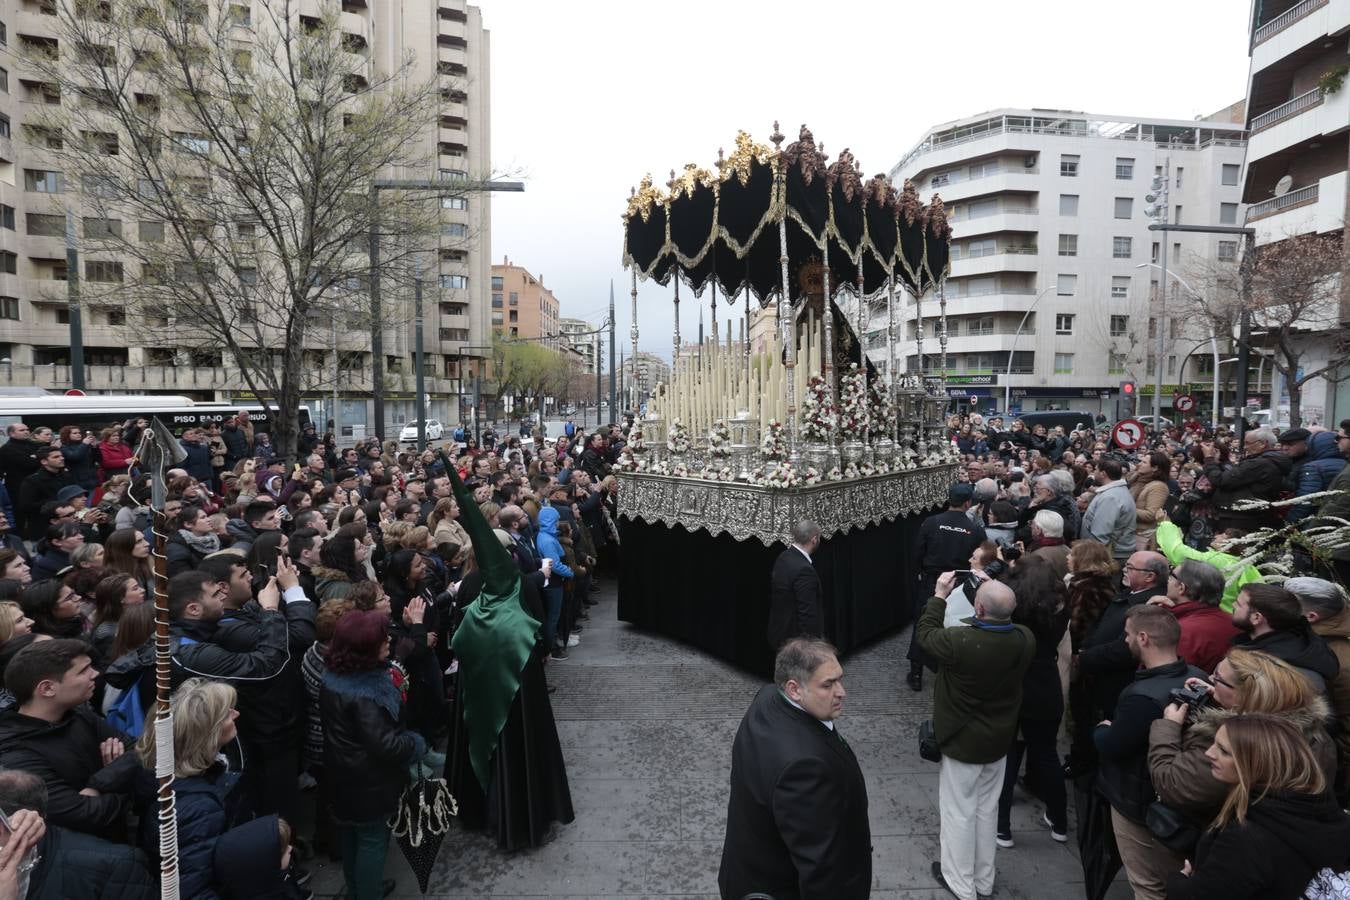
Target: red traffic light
{"x":1127,"y":388}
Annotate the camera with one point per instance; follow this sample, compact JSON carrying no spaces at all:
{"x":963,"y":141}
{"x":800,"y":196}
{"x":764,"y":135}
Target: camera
{"x":995,"y":568}
{"x":1196,"y":698}
{"x":1012,"y":554}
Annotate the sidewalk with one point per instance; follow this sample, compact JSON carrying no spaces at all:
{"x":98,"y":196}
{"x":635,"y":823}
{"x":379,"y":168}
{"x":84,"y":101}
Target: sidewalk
{"x":647,"y":726}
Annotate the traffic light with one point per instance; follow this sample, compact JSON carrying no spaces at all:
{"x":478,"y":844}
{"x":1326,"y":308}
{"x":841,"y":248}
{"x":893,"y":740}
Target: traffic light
{"x":1127,"y":394}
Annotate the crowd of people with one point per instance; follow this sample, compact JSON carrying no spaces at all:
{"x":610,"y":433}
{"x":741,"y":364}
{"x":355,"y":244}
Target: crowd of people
{"x":1075,"y":590}
{"x":1209,"y":709}
{"x":339,"y":620}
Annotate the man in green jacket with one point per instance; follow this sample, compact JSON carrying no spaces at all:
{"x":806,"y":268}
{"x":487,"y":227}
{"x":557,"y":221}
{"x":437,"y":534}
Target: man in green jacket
{"x":1171,"y":544}
{"x":975,"y":708}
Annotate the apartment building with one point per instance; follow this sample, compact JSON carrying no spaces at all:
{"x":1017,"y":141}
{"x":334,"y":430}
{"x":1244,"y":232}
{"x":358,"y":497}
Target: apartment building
{"x":583,"y":338}
{"x":522,"y":307}
{"x":1053,"y":287}
{"x":449,"y":45}
{"x":1295,"y":181}
{"x":643,"y":372}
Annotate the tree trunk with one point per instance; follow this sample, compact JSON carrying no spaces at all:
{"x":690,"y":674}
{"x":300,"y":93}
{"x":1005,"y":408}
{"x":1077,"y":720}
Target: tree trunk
{"x":1294,"y":389}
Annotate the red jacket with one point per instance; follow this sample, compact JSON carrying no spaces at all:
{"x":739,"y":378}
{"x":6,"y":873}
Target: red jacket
{"x":1206,"y":633}
{"x":113,"y":459}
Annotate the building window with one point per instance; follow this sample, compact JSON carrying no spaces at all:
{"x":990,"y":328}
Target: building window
{"x":150,"y":232}
{"x":498,"y":283}
{"x":1063,"y":363}
{"x":514,"y":299}
{"x":100,"y":186}
{"x":454,"y":334}
{"x":1228,"y":213}
{"x":1115,"y":365}
{"x":1153,"y":254}
{"x":1120,"y":287}
{"x":9,"y":308}
{"x":1068,"y":165}
{"x":984,"y":247}
{"x":497,"y":301}
{"x":1122,"y":247}
{"x":454,"y":203}
{"x":1227,"y":251}
{"x":1066,"y":285}
{"x":40,"y":181}
{"x":455,"y":230}
{"x":117,"y":317}
{"x":1124,"y":207}
{"x":1068,"y":204}
{"x":1064,"y":324}
{"x":102,"y":229}
{"x":102,"y":270}
{"x":1176,"y":219}
{"x":4,"y":125}
{"x":1152,"y":329}
{"x":1171,"y":365}
{"x":7,"y":217}
{"x":514,"y":316}
{"x":1120,"y":326}
{"x":1124,"y":168}
{"x":1230,"y":173}
{"x":455,"y":281}
{"x":40,"y":225}
{"x":1176,"y":181}
{"x":1068,"y":245}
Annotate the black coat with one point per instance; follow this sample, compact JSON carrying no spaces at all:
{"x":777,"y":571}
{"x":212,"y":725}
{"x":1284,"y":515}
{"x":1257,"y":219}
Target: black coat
{"x":946,"y":541}
{"x":180,"y":556}
{"x":794,"y":598}
{"x":1255,"y":478}
{"x":198,"y":462}
{"x":1308,"y":652}
{"x":797,"y":825}
{"x":66,"y":756}
{"x":17,"y":462}
{"x":36,"y":490}
{"x":1105,"y":660}
{"x":81,"y":464}
{"x":366,"y":749}
{"x":75,"y":866}
{"x":271,"y":710}
{"x":1285,"y":842}
{"x":1042,"y":691}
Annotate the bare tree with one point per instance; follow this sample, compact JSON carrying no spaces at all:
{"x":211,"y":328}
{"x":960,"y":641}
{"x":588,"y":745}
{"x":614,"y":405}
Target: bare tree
{"x":226,"y":164}
{"x":1295,"y":286}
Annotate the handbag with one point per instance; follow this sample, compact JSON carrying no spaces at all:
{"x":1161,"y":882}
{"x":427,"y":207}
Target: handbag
{"x":928,"y":745}
{"x":1173,"y":830}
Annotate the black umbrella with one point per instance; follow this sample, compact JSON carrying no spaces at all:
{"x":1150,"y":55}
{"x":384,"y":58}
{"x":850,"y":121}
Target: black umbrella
{"x":1096,"y":838}
{"x":421,"y":822}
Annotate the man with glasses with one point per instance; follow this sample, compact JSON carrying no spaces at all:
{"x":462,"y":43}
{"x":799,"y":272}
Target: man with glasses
{"x":1260,"y":476}
{"x":1194,"y":590}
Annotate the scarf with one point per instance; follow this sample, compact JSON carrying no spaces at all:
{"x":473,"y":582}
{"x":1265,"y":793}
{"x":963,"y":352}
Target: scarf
{"x":202,"y":543}
{"x":495,"y":640}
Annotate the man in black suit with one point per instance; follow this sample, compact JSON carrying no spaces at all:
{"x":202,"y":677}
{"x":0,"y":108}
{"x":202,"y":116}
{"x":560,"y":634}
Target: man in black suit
{"x":797,"y":824}
{"x":794,"y":588}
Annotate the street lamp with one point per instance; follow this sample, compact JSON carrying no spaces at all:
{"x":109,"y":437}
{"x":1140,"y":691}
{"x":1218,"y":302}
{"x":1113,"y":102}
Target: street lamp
{"x":1213,"y":343}
{"x":1007,"y":387}
{"x":1157,"y":211}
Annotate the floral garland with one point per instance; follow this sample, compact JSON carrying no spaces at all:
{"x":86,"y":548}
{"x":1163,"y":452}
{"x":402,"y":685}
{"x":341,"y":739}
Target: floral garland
{"x":677,"y":438}
{"x":818,"y":413}
{"x":772,"y":446}
{"x":785,"y":475}
{"x":882,"y":409}
{"x":852,"y":403}
{"x":636,"y":441}
{"x":719,"y":440}
{"x":720,"y":473}
{"x":627,"y":462}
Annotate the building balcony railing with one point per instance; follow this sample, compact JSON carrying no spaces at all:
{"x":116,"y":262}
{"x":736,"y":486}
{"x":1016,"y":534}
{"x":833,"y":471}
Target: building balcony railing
{"x":1289,"y":200}
{"x":966,"y":215}
{"x":1297,"y":106}
{"x":944,"y":179}
{"x":1285,"y":19}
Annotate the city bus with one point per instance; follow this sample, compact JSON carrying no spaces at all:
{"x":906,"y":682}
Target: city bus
{"x":97,"y":411}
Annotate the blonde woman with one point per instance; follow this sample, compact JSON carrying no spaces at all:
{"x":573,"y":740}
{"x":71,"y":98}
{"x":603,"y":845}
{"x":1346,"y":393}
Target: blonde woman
{"x":1279,"y":830}
{"x":13,"y":621}
{"x":1244,"y":682}
{"x":205,"y":785}
{"x":444,"y":524}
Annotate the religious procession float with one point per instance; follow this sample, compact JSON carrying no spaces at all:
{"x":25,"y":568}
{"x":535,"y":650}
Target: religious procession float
{"x":791,"y":420}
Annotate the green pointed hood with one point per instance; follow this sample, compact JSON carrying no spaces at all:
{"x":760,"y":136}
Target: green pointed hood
{"x":494,"y":641}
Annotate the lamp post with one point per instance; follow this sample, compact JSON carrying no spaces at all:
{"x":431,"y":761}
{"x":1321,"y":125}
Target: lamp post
{"x":1007,"y":387}
{"x":1213,"y":343}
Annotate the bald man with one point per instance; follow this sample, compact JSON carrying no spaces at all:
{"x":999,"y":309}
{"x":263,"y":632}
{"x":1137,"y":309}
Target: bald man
{"x":975,"y":708}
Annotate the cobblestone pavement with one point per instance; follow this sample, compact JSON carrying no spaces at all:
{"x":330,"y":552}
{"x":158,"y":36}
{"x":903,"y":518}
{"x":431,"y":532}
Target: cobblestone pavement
{"x":647,"y":725}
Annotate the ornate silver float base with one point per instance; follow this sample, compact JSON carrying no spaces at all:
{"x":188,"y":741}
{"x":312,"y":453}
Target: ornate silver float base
{"x":851,"y":452}
{"x":767,"y":514}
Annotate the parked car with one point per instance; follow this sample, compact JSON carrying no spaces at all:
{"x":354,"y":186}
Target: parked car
{"x":1162,"y":422}
{"x":409,"y":433}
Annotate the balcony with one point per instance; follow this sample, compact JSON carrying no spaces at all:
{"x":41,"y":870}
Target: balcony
{"x":1306,"y":118}
{"x":1013,"y":259}
{"x":1318,"y":207}
{"x":1299,"y":104}
{"x":1296,"y":13}
{"x":1020,"y":219}
{"x":356,"y":24}
{"x":958,"y":186}
{"x":121,"y":378}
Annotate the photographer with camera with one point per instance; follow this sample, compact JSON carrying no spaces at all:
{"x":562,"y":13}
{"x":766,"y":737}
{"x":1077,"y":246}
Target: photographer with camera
{"x":1151,"y":634}
{"x":1246,"y":681}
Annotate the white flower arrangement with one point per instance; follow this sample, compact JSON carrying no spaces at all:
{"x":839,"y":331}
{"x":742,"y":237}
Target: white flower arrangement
{"x":852,"y":403}
{"x":724,"y":473}
{"x":818,"y":413}
{"x":627,"y":462}
{"x":636,"y":440}
{"x":772,"y":446}
{"x":664,"y":467}
{"x":677,"y":438}
{"x":835,"y":474}
{"x":785,"y":475}
{"x":719,"y":440}
{"x":882,"y":409}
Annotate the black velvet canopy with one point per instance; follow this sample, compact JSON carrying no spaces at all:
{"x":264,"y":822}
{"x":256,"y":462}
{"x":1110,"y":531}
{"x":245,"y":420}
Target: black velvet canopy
{"x":722,"y":227}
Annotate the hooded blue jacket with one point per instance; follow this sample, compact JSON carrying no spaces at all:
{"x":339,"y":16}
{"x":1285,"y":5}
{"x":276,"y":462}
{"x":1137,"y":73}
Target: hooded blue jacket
{"x":547,"y":541}
{"x":1315,"y":471}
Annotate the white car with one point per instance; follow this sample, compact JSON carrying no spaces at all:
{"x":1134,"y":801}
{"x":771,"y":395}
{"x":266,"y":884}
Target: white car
{"x":409,"y":433}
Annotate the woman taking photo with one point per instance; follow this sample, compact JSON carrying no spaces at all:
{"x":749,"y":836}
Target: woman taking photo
{"x":1278,"y":827}
{"x":367,"y":748}
{"x":193,"y":540}
{"x":114,"y":456}
{"x":1246,"y":681}
{"x":342,"y":564}
{"x":409,"y":591}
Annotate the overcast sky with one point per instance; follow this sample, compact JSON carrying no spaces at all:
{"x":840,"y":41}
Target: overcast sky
{"x":587,"y":97}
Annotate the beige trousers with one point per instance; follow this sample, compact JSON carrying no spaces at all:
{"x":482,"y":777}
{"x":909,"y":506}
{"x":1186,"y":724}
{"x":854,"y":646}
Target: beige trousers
{"x":1147,"y":862}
